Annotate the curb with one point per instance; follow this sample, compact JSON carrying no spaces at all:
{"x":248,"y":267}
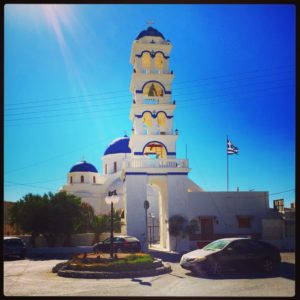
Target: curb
{"x":165,"y":268}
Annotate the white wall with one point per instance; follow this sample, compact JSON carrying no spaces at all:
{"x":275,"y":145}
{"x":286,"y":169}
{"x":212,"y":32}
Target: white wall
{"x":226,"y":206}
{"x":136,"y":194}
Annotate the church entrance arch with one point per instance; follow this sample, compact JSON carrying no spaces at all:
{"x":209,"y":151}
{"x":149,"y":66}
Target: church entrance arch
{"x":157,"y":197}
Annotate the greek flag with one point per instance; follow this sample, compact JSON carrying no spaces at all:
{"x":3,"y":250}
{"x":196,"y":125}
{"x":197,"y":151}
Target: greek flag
{"x":231,"y":149}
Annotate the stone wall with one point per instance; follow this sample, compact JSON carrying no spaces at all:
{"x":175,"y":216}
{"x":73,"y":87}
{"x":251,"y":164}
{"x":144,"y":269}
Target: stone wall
{"x":82,"y":239}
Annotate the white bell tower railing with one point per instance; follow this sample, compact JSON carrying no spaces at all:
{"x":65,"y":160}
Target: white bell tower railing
{"x":155,"y":163}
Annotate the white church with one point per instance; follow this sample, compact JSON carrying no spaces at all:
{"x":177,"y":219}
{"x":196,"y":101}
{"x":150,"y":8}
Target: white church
{"x":144,"y":166}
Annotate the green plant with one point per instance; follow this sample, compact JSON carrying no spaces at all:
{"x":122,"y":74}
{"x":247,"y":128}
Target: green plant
{"x":51,"y":215}
{"x":128,"y":263}
{"x":177,"y":227}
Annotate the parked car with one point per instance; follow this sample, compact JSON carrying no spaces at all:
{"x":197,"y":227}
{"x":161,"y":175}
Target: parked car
{"x":120,"y":244}
{"x":231,"y":253}
{"x":14,"y":246}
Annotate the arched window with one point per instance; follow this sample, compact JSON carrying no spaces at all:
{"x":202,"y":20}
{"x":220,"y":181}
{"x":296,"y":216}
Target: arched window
{"x":161,"y":122}
{"x":115,"y":167}
{"x":155,"y":148}
{"x":161,"y":119}
{"x":153,"y":89}
{"x":82,"y":179}
{"x":146,"y":61}
{"x":159,"y":61}
{"x":94,"y":179}
{"x":71,"y":179}
{"x":147,"y":119}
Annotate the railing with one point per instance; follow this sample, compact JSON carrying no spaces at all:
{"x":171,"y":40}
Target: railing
{"x":155,"y":163}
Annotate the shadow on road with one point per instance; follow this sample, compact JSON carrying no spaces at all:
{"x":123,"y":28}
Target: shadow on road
{"x":141,"y":282}
{"x":284,"y":270}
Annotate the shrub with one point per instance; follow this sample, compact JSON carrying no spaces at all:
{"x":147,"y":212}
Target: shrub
{"x":139,"y":261}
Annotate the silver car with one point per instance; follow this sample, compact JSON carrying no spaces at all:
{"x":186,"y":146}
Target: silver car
{"x":231,"y":253}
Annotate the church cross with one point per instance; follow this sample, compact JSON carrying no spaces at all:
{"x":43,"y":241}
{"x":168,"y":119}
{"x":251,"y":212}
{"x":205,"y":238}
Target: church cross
{"x":149,"y":23}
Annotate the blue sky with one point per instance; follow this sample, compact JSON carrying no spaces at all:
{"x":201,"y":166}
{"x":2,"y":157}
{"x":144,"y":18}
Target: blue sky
{"x":67,"y":76}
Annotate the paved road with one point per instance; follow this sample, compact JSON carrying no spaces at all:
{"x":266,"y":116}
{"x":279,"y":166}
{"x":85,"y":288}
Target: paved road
{"x":34,"y":278}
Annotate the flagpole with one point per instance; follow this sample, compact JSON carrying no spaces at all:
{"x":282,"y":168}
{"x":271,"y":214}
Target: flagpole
{"x":227,"y":160}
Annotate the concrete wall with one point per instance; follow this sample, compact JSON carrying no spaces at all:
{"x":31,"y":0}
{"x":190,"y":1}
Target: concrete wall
{"x":178,"y":205}
{"x":136,"y":194}
{"x":225,"y":206}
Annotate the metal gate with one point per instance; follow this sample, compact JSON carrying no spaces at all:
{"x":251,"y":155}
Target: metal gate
{"x":153,"y":230}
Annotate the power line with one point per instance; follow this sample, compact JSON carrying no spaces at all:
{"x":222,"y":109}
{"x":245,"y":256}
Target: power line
{"x":111,"y":110}
{"x":129,"y":95}
{"x":44,"y":181}
{"x":29,"y":185}
{"x":126,"y":102}
{"x":282,"y":192}
{"x":44,"y":161}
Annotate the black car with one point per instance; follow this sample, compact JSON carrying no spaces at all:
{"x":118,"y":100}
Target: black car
{"x":120,"y":244}
{"x":231,"y":253}
{"x":14,"y":246}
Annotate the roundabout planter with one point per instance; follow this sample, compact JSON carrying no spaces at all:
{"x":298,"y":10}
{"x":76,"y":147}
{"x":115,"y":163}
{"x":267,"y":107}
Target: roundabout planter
{"x":88,"y":270}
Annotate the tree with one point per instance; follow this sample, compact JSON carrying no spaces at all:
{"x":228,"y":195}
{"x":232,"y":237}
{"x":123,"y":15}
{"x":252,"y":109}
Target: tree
{"x":65,"y":213}
{"x":86,"y":218}
{"x":30,"y":214}
{"x":100,"y":224}
{"x":177,"y":227}
{"x":180,"y":227}
{"x":117,"y":221}
{"x":192,"y":227}
{"x":51,"y":215}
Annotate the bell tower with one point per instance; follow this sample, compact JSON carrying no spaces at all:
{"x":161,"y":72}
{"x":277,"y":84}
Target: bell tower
{"x":153,"y":163}
{"x":152,"y":109}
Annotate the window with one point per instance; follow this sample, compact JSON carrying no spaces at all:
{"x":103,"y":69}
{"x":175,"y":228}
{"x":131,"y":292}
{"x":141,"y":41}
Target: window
{"x":159,"y":61}
{"x":153,"y":89}
{"x":244,"y":222}
{"x":71,"y":179}
{"x":146,"y":61}
{"x":115,"y":167}
{"x":105,"y":172}
{"x":94,"y":179}
{"x":155,"y":148}
{"x":82,"y":179}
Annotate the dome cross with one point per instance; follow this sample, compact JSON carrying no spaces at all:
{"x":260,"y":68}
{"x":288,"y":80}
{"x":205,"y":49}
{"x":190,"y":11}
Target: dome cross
{"x":149,"y":23}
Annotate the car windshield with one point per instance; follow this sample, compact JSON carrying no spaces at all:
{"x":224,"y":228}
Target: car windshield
{"x":131,"y":239}
{"x":216,"y":245}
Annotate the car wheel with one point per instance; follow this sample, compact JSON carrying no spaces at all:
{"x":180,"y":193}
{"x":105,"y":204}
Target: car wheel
{"x":268,"y":265}
{"x":197,"y":270}
{"x":214,"y":268}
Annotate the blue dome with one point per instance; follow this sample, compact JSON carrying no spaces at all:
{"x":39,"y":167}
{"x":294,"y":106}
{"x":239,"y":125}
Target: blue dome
{"x":83,"y":166}
{"x":150,"y":31}
{"x":119,"y":145}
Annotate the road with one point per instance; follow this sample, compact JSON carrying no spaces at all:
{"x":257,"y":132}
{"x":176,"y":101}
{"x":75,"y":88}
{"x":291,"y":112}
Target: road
{"x":34,"y":278}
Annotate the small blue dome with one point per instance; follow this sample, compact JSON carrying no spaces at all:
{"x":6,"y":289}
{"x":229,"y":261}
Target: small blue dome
{"x":83,"y":166}
{"x":150,"y":31}
{"x":119,"y":145}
